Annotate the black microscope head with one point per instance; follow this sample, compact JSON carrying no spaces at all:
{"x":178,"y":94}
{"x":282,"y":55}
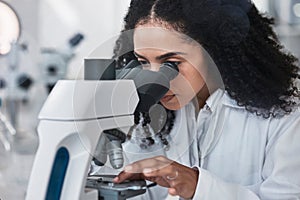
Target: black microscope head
{"x":151,"y":85}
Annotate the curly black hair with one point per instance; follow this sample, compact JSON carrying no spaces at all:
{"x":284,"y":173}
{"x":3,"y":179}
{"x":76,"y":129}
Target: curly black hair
{"x":255,"y":69}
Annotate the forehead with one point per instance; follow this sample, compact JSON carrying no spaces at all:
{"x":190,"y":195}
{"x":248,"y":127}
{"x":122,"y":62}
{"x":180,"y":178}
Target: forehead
{"x":155,"y":37}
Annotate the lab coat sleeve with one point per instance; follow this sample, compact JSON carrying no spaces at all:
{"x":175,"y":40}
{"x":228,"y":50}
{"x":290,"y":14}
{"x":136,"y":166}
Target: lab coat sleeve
{"x":280,"y":173}
{"x":210,"y":187}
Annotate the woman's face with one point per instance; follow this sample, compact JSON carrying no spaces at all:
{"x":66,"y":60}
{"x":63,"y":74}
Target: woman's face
{"x":154,"y":45}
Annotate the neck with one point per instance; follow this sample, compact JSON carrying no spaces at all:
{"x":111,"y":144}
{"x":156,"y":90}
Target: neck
{"x":202,"y":96}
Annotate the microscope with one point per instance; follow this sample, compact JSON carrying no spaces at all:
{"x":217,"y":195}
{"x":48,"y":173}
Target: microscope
{"x":73,"y":121}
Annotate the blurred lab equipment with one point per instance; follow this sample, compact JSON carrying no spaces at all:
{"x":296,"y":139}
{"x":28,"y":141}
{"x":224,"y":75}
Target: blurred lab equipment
{"x":6,"y":138}
{"x":17,"y":144}
{"x":73,"y":119}
{"x":287,"y":23}
{"x":287,"y":11}
{"x":16,"y":84}
{"x":54,"y":62}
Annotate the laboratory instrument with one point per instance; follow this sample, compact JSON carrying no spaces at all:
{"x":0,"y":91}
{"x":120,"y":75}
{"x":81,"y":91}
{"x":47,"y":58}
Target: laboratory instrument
{"x":6,"y":139}
{"x":73,"y":119}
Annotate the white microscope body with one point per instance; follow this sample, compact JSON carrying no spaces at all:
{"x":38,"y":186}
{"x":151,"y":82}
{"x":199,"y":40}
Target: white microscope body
{"x":71,"y":122}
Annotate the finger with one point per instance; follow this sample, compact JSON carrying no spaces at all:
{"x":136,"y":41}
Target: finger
{"x":159,"y":181}
{"x":130,"y":172}
{"x":172,"y":191}
{"x":166,"y":171}
{"x":120,"y":177}
{"x":151,"y":167}
{"x":152,"y":179}
{"x":127,"y":176}
{"x":150,"y":164}
{"x":139,"y":166}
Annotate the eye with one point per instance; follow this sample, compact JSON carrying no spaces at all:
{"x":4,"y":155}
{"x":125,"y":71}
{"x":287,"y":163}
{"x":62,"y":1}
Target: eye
{"x":145,"y":64}
{"x":177,"y":63}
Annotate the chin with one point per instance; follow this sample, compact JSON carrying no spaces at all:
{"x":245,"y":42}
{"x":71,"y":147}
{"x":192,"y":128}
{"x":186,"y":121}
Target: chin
{"x":172,"y":105}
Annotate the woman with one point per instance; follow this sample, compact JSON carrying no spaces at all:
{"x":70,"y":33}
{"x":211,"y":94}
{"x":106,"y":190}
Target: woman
{"x":239,"y":131}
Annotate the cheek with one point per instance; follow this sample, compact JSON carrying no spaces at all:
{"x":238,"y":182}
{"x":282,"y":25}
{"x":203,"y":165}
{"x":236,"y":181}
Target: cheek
{"x":189,"y":82}
{"x":186,"y":85}
{"x":196,"y":81}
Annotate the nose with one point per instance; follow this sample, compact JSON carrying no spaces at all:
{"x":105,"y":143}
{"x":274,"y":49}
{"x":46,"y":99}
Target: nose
{"x":153,"y":67}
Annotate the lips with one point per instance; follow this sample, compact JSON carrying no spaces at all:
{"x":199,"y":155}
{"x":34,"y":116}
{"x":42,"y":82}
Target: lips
{"x":167,"y":98}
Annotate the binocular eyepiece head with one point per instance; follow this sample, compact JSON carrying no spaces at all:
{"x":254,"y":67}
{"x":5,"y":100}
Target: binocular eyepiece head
{"x":151,"y":85}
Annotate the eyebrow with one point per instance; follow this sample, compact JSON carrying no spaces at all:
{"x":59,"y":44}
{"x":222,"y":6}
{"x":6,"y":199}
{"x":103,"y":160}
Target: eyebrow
{"x":161,"y":57}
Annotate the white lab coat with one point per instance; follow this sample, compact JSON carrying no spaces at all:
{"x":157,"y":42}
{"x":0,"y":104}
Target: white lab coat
{"x":248,"y":157}
{"x":240,"y":156}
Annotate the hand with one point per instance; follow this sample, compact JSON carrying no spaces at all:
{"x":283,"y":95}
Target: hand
{"x":180,"y":180}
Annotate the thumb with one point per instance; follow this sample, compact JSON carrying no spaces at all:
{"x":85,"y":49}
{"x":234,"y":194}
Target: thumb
{"x":172,"y":191}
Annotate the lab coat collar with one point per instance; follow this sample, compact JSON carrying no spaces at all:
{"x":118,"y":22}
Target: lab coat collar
{"x":220,"y":96}
{"x":214,"y":100}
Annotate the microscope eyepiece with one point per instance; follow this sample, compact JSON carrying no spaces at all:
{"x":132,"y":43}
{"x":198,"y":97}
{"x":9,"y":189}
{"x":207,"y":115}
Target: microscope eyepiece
{"x":169,"y":69}
{"x":151,"y":86}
